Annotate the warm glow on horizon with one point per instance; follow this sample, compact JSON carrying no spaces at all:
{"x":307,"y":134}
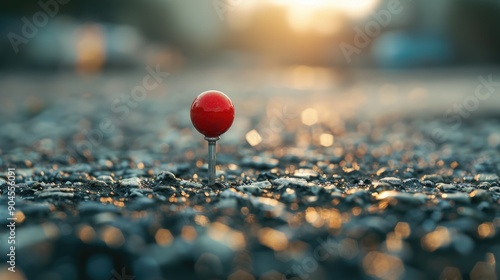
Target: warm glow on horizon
{"x":353,"y":8}
{"x":325,"y":17}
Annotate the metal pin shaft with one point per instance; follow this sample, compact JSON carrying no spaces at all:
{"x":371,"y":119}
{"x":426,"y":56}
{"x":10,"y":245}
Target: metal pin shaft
{"x":211,"y":159}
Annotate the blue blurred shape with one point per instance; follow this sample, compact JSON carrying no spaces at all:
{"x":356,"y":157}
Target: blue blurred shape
{"x":406,"y":50}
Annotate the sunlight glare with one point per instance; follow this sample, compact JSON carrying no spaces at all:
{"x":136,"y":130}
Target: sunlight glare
{"x":353,"y":8}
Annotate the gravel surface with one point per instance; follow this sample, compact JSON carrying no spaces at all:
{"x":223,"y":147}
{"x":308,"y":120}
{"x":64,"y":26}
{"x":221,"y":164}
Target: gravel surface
{"x":319,"y":178}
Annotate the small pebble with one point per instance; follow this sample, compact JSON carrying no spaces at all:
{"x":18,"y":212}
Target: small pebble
{"x":486,"y":177}
{"x":133,"y":182}
{"x":391,"y":180}
{"x":432,"y":177}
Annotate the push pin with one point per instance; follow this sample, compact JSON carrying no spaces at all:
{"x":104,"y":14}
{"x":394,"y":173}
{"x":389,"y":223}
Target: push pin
{"x":212,"y":114}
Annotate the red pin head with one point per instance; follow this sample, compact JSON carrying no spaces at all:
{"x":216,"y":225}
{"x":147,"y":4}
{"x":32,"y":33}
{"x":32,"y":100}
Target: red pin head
{"x":212,"y":113}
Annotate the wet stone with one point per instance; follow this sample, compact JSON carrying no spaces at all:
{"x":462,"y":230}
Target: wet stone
{"x":468,"y":179}
{"x":267,"y":176}
{"x":467,"y":189}
{"x":405,"y":198}
{"x":263,"y":184}
{"x":411,"y":182}
{"x":391,"y":180}
{"x":486,"y":177}
{"x":336,"y":177}
{"x":106,"y":178}
{"x":189,"y":184}
{"x":37,"y":186}
{"x":251,"y":189}
{"x":287,"y":182}
{"x":55,"y":194}
{"x":133,"y":182}
{"x":305,"y":174}
{"x":428,"y":183}
{"x":331,"y":189}
{"x":254,"y":188}
{"x":135,"y":193}
{"x":219,"y":186}
{"x":35,"y":183}
{"x":165,"y":189}
{"x":59,"y":189}
{"x":98,"y":183}
{"x":165,"y":177}
{"x":494,"y":189}
{"x":77,"y":177}
{"x":447,"y":188}
{"x":227,"y":193}
{"x":480,"y":195}
{"x":457,"y":197}
{"x":433,"y":178}
{"x":484,"y":186}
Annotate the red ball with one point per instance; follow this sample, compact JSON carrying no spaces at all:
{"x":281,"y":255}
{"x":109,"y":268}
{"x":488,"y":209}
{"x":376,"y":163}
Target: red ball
{"x":212,"y":113}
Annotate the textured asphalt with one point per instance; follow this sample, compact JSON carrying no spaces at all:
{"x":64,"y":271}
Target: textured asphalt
{"x":324,"y":175}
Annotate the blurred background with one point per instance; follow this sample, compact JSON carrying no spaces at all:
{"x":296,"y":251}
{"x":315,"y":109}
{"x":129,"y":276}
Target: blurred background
{"x":93,"y":35}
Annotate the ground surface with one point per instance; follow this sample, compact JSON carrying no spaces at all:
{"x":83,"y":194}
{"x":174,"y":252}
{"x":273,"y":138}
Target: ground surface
{"x":324,"y":175}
